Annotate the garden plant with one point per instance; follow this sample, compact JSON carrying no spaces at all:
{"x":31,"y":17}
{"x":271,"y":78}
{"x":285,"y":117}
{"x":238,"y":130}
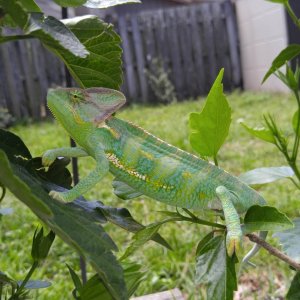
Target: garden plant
{"x":91,"y":51}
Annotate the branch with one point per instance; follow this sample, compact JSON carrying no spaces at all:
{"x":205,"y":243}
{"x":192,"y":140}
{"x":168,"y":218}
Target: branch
{"x":273,"y":251}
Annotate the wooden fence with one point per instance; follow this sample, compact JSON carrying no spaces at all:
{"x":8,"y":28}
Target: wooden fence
{"x":194,"y":42}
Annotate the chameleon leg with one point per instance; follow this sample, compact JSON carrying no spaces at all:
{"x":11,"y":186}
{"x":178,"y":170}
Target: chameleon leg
{"x":85,"y":184}
{"x":234,"y":231}
{"x":50,"y":155}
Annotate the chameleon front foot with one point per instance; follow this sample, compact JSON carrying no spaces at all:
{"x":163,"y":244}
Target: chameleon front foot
{"x":48,"y":158}
{"x":58,"y":196}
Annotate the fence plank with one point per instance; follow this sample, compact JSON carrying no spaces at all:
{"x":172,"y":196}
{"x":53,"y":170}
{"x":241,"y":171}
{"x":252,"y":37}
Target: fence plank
{"x":128,"y":59}
{"x":140,"y":59}
{"x":13,"y":83}
{"x":232,"y":36}
{"x":221,"y":43}
{"x":172,"y":40}
{"x":28,"y":58}
{"x":197,"y":45}
{"x":209,"y":41}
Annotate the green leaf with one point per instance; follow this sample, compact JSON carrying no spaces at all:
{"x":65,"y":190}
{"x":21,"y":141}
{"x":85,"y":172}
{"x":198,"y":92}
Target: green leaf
{"x":133,"y":276}
{"x":265,"y":218}
{"x":29,"y":5}
{"x":55,"y":35}
{"x":295,"y":121}
{"x":260,"y":132}
{"x":210,"y":127}
{"x":285,"y":55}
{"x":94,"y":289}
{"x":35,"y":284}
{"x":140,"y":238}
{"x":290,"y":241}
{"x":216,"y":269}
{"x":143,"y":236}
{"x":16,"y":12}
{"x":69,"y":3}
{"x":266,"y":175}
{"x":278,"y":1}
{"x":203,"y":242}
{"x":89,"y":238}
{"x":41,"y":244}
{"x":75,"y":278}
{"x":294,"y":290}
{"x":103,"y":67}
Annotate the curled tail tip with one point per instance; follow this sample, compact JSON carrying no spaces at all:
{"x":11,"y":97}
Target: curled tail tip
{"x":233,"y":245}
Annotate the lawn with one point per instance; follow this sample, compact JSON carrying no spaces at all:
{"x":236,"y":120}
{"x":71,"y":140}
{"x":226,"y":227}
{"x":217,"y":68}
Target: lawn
{"x":166,"y":269}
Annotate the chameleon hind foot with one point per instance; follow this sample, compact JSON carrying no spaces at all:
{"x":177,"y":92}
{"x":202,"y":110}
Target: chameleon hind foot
{"x":48,"y":158}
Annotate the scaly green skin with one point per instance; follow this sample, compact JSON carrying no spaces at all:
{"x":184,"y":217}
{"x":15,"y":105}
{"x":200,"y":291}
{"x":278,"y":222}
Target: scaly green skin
{"x":137,"y":158}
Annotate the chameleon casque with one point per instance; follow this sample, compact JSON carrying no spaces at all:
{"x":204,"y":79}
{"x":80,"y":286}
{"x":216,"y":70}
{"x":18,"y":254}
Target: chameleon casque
{"x":143,"y":163}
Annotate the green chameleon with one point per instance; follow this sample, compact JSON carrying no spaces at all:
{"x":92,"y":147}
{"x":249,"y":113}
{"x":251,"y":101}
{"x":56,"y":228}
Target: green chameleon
{"x":143,"y":163}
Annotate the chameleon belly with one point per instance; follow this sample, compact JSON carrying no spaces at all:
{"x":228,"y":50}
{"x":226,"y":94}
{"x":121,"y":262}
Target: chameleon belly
{"x":168,"y":174}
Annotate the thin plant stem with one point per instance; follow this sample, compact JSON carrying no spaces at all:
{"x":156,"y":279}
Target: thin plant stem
{"x":273,"y":251}
{"x":296,"y":142}
{"x":196,"y":220}
{"x":28,"y":276}
{"x":295,"y":183}
{"x":202,"y":222}
{"x":292,"y":14}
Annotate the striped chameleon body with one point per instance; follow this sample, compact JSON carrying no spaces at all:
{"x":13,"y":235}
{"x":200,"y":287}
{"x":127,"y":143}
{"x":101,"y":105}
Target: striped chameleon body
{"x":141,"y":161}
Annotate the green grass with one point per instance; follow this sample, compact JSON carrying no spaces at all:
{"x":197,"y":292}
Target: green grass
{"x":166,"y":269}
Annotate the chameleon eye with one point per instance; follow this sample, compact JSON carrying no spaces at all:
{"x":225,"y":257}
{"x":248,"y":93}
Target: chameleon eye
{"x":76,"y":96}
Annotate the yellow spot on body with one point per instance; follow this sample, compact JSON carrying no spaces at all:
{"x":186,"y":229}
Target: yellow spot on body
{"x":186,"y":175}
{"x":202,"y":195}
{"x":148,"y":155}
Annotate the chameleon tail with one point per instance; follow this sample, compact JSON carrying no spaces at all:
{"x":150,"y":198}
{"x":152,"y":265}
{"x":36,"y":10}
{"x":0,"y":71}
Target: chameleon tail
{"x":253,"y":251}
{"x":232,"y":219}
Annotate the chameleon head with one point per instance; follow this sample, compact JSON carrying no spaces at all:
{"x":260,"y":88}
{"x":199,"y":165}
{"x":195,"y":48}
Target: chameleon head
{"x":74,"y":106}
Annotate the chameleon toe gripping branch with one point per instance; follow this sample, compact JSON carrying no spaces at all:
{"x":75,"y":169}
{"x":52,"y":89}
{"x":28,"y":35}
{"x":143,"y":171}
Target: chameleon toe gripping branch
{"x":141,"y":162}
